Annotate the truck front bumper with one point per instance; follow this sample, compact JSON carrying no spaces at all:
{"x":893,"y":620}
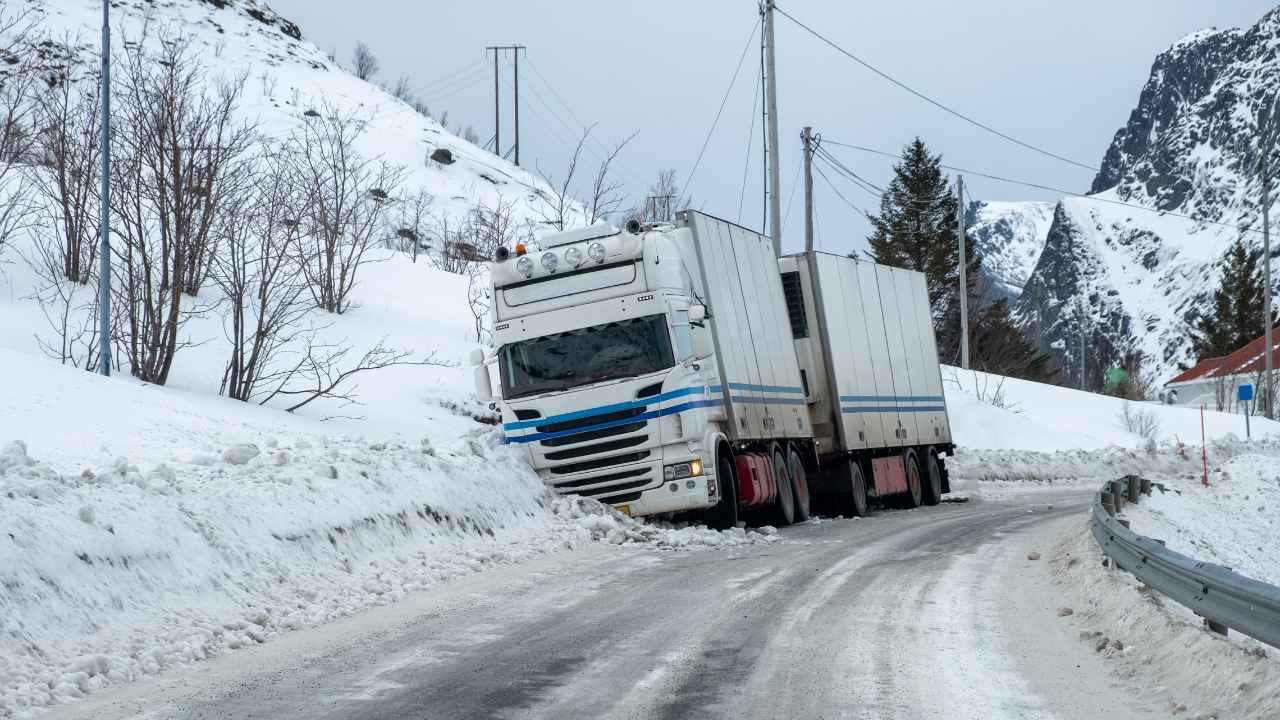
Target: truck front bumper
{"x":672,"y":496}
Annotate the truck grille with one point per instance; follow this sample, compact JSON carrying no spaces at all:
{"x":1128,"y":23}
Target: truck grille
{"x":618,"y":487}
{"x":580,"y":450}
{"x":598,"y":463}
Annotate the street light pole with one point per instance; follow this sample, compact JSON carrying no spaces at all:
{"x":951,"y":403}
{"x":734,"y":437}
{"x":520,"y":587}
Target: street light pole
{"x":104,"y":251}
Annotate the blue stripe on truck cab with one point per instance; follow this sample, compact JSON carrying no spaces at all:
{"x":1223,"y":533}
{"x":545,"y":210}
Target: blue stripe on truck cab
{"x":604,"y":409}
{"x":531,"y":437}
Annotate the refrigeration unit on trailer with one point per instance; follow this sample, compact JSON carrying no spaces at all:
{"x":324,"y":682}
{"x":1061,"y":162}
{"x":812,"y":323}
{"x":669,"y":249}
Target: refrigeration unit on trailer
{"x":646,"y":366}
{"x":683,"y":367}
{"x":865,"y":342}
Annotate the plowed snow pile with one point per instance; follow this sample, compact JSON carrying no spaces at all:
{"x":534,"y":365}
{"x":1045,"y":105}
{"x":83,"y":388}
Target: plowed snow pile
{"x":201,"y":525}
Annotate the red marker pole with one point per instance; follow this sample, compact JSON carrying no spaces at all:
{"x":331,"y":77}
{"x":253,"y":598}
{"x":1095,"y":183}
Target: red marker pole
{"x":1204,"y":448}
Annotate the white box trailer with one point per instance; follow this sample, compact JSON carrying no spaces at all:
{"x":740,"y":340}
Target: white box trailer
{"x":682,"y":367}
{"x":864,"y":336}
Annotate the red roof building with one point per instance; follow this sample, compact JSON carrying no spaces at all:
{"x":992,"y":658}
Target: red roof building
{"x":1213,"y":381}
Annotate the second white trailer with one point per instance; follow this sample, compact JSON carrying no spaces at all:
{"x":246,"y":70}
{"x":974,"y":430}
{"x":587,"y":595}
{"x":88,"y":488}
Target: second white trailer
{"x":865,"y":344}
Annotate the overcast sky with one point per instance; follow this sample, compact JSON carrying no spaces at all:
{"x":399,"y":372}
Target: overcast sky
{"x":1063,"y":76}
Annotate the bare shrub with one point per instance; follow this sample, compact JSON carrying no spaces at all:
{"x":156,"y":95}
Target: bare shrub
{"x":364,"y":64}
{"x":1140,"y":421}
{"x":346,"y":197}
{"x":176,"y":151}
{"x":18,"y":82}
{"x":67,"y":118}
{"x":606,"y":192}
{"x":255,"y":268}
{"x":987,"y":388}
{"x":556,"y":208}
{"x":412,"y":230}
{"x":322,"y":371}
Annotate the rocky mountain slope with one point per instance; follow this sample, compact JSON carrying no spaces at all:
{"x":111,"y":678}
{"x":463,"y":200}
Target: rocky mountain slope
{"x":1129,"y":269}
{"x":1009,"y":237}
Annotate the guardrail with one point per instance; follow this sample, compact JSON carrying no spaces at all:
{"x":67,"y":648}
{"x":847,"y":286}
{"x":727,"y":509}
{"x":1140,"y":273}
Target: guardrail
{"x":1223,"y":598}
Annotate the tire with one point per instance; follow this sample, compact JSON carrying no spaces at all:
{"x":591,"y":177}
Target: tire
{"x":855,"y":500}
{"x":912,"y":497}
{"x":800,"y":485}
{"x":932,"y":487}
{"x":784,"y":509}
{"x":724,"y":515}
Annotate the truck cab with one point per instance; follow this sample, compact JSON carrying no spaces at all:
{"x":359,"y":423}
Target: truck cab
{"x":601,"y":361}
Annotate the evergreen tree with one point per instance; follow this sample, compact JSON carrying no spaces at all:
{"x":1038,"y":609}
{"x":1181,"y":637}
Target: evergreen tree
{"x":916,"y":229}
{"x":1238,"y":305}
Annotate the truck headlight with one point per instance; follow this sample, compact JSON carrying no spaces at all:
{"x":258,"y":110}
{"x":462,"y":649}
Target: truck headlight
{"x":596,"y":251}
{"x":524,"y":265}
{"x":549,"y":261}
{"x":573,"y":256}
{"x":683,"y":470}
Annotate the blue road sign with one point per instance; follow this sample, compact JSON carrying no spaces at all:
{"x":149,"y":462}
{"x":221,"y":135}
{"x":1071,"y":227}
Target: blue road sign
{"x":1244,"y":393}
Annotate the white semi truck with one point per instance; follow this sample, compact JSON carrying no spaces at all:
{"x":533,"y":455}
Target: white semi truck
{"x":682,"y":367}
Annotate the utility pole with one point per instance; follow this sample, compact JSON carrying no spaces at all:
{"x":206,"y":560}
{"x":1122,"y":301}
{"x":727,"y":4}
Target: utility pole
{"x":497,"y":115}
{"x":497,"y":99}
{"x":1080,"y":310}
{"x":516,"y":104}
{"x":104,"y":251}
{"x":775,"y":193}
{"x":806,"y":136}
{"x":964,"y":281}
{"x":1266,"y":278}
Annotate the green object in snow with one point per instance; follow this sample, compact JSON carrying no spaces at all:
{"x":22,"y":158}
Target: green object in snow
{"x":1115,"y":376}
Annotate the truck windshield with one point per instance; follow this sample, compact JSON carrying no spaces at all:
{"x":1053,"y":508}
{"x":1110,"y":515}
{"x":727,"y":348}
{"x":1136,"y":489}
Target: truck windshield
{"x":603,"y":352}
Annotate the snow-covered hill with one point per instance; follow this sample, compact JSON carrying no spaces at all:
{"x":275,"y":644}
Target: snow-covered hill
{"x":288,"y":76}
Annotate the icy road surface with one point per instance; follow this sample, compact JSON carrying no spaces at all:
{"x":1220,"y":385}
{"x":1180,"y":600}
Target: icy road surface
{"x":933,"y":613}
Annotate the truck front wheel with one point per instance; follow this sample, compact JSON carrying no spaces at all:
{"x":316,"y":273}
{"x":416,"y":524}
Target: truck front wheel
{"x":725,"y":514}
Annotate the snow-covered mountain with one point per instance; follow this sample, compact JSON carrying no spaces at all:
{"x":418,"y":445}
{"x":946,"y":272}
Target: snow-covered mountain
{"x":1129,"y":280}
{"x":1009,"y":237}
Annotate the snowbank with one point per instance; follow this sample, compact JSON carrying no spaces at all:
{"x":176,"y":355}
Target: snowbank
{"x":1233,"y":522}
{"x":145,"y":528}
{"x":1156,"y":640}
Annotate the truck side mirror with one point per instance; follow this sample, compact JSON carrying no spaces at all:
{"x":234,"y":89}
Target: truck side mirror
{"x":697,"y":313}
{"x":480,"y":375}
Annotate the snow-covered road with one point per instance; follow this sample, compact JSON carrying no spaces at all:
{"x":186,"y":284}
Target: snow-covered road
{"x":934,"y":613}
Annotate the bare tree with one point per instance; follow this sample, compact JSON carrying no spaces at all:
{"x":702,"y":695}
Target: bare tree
{"x":451,"y":239}
{"x":255,"y":268}
{"x":606,"y":192}
{"x":175,"y":148}
{"x":70,"y":307}
{"x":320,"y":374}
{"x":412,"y":223}
{"x":346,"y":196}
{"x":364,"y":63}
{"x":18,"y":81}
{"x":556,"y":209}
{"x":67,"y":121}
{"x":403,"y":90}
{"x":664,"y":199}
{"x":492,"y":228}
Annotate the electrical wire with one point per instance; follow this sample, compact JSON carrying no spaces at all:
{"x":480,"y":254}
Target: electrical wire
{"x":840,"y":195}
{"x":928,"y":99}
{"x":755,"y":27}
{"x":746,"y":164}
{"x":1050,"y":188}
{"x":448,"y":78}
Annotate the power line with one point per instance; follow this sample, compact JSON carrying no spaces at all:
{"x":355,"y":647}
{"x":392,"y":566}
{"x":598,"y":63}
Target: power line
{"x":839,"y":194}
{"x":795,"y":178}
{"x":755,"y":27}
{"x":746,"y":164}
{"x":449,"y":78}
{"x":930,"y":100}
{"x":1052,"y":189}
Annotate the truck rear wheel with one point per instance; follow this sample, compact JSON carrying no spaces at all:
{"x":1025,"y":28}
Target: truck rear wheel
{"x":785,"y":505}
{"x":932,"y":478}
{"x":725,"y":514}
{"x":855,"y":502}
{"x":912,"y":496}
{"x":800,"y":484}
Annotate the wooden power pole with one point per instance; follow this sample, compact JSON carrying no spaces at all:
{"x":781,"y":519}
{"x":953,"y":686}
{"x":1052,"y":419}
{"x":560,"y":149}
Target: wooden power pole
{"x":497,"y":114}
{"x":775,"y":193}
{"x":964,"y":281}
{"x":807,"y":137}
